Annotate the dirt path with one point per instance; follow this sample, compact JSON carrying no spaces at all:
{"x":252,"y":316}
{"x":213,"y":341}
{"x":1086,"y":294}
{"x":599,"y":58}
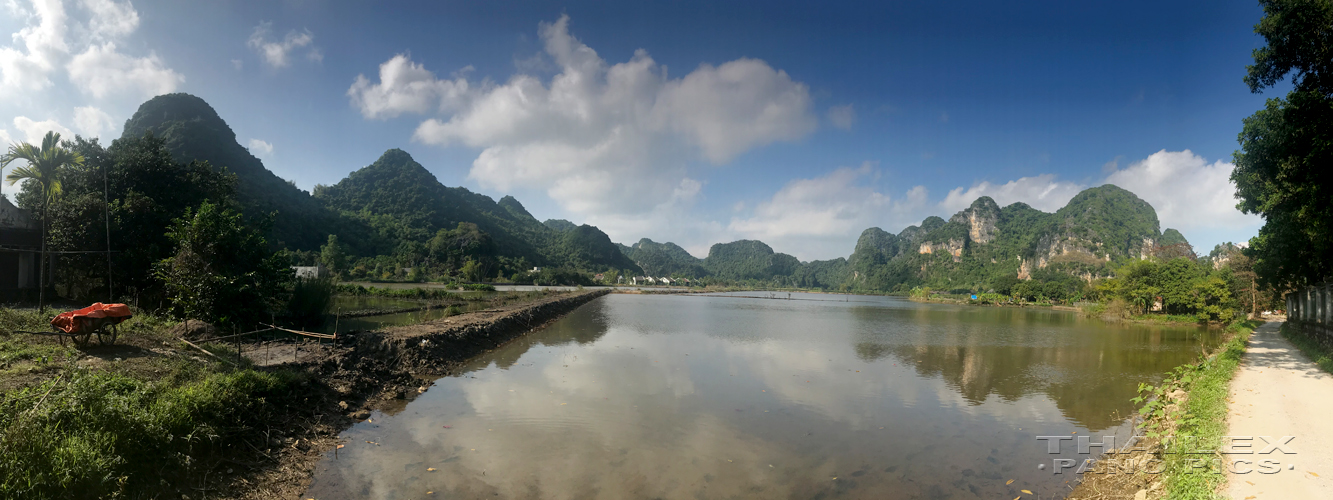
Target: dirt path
{"x":1278,"y":392}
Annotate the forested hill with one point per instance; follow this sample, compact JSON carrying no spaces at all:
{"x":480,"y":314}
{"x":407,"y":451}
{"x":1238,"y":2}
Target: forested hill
{"x":976,"y":249}
{"x":391,"y":210}
{"x":194,"y":131}
{"x":408,"y":207}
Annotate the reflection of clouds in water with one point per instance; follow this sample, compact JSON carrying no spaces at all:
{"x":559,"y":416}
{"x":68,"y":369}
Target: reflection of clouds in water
{"x":659,"y":393}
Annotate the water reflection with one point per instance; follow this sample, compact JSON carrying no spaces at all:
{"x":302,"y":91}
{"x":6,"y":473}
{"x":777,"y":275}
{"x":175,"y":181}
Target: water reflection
{"x":695,"y":397}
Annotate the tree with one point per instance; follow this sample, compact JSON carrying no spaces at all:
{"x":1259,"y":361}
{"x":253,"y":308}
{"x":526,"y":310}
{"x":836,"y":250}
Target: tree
{"x":44,"y":167}
{"x":1282,"y":167}
{"x":332,"y":255}
{"x":222,"y":271}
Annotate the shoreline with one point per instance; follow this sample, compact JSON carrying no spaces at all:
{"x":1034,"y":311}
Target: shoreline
{"x":383,"y":370}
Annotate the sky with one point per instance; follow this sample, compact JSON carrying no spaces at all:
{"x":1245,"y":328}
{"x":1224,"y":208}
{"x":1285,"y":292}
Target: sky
{"x":798,"y":124}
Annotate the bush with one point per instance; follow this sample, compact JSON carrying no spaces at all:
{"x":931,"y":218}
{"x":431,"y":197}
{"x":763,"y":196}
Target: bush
{"x":221,"y":272}
{"x":99,"y":435}
{"x":310,"y":301}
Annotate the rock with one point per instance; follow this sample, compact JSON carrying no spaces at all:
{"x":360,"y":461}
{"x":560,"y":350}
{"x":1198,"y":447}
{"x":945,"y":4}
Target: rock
{"x":342,"y":405}
{"x":360,"y":414}
{"x":1141,"y":495}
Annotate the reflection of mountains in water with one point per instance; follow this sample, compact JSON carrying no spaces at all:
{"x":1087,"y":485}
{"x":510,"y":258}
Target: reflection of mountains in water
{"x":1090,"y":371}
{"x":583,"y":326}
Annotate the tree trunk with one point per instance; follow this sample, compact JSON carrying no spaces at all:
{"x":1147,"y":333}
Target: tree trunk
{"x":1254,"y":306}
{"x":41,"y":272}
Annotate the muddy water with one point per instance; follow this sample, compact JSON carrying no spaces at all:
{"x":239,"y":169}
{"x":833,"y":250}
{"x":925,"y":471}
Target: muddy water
{"x":644,"y":396}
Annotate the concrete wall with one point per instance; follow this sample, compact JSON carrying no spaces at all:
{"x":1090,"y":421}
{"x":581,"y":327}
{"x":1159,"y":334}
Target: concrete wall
{"x":1312,"y":309}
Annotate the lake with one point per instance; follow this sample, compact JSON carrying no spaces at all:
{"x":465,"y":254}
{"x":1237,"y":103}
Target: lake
{"x":728,"y":396}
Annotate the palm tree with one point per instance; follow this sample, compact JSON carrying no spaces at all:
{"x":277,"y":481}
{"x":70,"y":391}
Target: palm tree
{"x":44,"y":166}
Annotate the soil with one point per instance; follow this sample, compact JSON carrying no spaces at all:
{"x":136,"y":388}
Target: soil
{"x":379,"y":370}
{"x":1279,"y":392}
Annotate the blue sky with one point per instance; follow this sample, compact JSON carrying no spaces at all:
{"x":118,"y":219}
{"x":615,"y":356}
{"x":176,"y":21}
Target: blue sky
{"x":799,"y":124}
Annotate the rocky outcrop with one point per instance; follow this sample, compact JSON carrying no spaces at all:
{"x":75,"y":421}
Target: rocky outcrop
{"x":953,"y":247}
{"x":981,"y":219}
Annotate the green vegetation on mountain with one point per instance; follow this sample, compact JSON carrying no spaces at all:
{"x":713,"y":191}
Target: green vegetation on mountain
{"x":1172,"y":237}
{"x":409,"y":209}
{"x":748,"y":260}
{"x":665,"y":260}
{"x":586,"y":247}
{"x":559,"y":225}
{"x":193,"y":131}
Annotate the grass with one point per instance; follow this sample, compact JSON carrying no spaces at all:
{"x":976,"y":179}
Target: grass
{"x":99,"y":434}
{"x":71,"y":431}
{"x":1320,"y":352}
{"x":1176,"y":319}
{"x":1203,"y":418}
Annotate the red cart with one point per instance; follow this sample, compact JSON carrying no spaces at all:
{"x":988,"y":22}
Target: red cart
{"x":98,"y":318}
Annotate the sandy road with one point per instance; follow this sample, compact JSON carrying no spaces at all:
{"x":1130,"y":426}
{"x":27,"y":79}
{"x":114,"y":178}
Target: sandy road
{"x":1278,"y":392}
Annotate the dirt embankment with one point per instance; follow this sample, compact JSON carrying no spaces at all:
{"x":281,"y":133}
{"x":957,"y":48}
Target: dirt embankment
{"x":382,"y":369}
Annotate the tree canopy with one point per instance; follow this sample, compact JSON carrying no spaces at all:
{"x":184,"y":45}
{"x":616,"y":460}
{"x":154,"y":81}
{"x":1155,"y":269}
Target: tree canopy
{"x":1282,"y":168}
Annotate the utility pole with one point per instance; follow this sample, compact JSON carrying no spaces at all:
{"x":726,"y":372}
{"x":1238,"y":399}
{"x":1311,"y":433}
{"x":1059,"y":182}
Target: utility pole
{"x":106,"y":203}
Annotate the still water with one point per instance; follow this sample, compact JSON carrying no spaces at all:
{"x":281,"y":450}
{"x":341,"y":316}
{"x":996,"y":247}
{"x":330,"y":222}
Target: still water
{"x":661,"y":396}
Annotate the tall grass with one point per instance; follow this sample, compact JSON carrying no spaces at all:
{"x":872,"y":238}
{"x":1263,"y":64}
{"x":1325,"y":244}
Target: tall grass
{"x":93,"y":434}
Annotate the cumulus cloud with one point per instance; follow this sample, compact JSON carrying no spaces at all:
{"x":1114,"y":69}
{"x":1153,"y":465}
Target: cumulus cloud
{"x":814,"y":218}
{"x":86,"y":50}
{"x":111,"y":20}
{"x":842,"y":117}
{"x":260,"y":148}
{"x":33,"y":131}
{"x":834,"y":204}
{"x":101,"y":71}
{"x":406,"y":87}
{"x":1043,"y":192}
{"x":1188,"y":193}
{"x":38,"y":48}
{"x":92,"y":121}
{"x":277,"y":53}
{"x":607,"y":140}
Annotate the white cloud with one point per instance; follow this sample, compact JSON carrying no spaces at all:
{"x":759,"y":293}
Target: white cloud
{"x":259,"y":147}
{"x":101,"y":71}
{"x":1042,"y":192}
{"x":92,"y":121}
{"x":5,"y":140}
{"x":34,"y":131}
{"x":276,"y":53}
{"x":1189,"y":194}
{"x":602,"y":139}
{"x":111,"y":20}
{"x":238,"y":64}
{"x":832,"y":205}
{"x":86,"y":50}
{"x":37,"y":49}
{"x":405,"y":87}
{"x":842,"y":117}
{"x":814,"y":218}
